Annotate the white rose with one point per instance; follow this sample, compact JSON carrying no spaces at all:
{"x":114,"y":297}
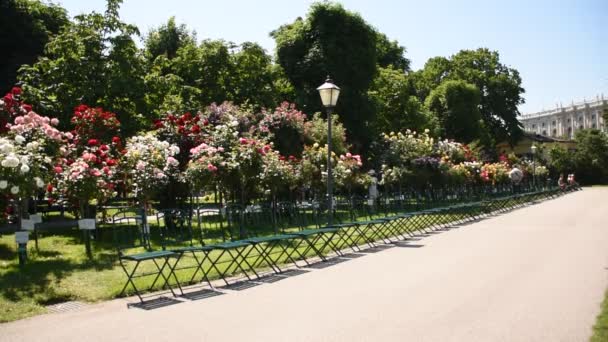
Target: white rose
{"x":19,"y":139}
{"x":39,"y":182}
{"x":10,"y":161}
{"x":14,"y":190}
{"x":25,"y":168}
{"x":3,"y":184}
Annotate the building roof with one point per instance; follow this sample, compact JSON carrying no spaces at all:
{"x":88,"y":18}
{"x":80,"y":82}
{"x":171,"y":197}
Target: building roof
{"x":542,"y":138}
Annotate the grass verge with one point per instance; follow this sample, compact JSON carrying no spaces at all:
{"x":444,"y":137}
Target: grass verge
{"x":600,"y":329}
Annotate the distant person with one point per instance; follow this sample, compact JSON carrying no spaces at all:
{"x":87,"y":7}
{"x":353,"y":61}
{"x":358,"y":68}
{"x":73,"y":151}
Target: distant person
{"x":572,"y":184}
{"x":561,"y":182}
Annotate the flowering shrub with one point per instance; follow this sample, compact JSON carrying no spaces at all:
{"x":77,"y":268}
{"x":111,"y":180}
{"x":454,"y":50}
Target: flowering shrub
{"x":185,"y":131}
{"x":87,"y":172}
{"x":149,"y":163}
{"x":23,"y":169}
{"x":28,"y":149}
{"x":345,"y":168}
{"x":451,"y":151}
{"x":93,"y":123}
{"x":460,"y":174}
{"x":401,"y":152}
{"x":278,"y":172}
{"x":495,"y":173}
{"x":11,"y":106}
{"x":285,"y":127}
{"x":348,"y":173}
{"x":231,"y":164}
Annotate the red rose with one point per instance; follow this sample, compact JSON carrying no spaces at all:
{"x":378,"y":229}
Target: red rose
{"x":205,"y":122}
{"x":111,"y":162}
{"x":195,"y":129}
{"x":281,"y":157}
{"x":49,"y":187}
{"x":58,"y":169}
{"x":116,"y":140}
{"x":26,"y":107}
{"x":93,"y":142}
{"x":187,"y":116}
{"x":104,"y":148}
{"x":158,"y":124}
{"x":243,"y":141}
{"x":16,"y":91}
{"x":81,"y":108}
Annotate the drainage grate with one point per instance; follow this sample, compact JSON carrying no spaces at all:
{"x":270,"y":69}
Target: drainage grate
{"x":66,"y":306}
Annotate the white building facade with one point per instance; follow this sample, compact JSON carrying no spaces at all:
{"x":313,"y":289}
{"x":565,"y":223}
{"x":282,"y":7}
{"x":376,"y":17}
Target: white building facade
{"x":562,"y":122}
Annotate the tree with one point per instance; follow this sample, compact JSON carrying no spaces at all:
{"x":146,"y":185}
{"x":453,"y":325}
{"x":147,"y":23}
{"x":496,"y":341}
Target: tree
{"x":26,"y":26}
{"x":499,"y":86}
{"x":396,"y":109}
{"x":435,"y":71}
{"x":391,"y":54}
{"x":93,"y":61}
{"x":591,"y":156}
{"x":252,"y":76}
{"x":331,"y":40}
{"x":456,"y":105}
{"x":214,"y":72}
{"x":167,"y":39}
{"x":561,"y":160}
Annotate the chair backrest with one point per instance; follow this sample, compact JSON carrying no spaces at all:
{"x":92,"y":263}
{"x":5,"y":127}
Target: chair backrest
{"x":210,"y":223}
{"x":128,"y":231}
{"x":176,"y":228}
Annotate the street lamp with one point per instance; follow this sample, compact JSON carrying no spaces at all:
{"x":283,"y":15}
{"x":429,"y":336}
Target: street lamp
{"x":329,"y":93}
{"x":533,"y":148}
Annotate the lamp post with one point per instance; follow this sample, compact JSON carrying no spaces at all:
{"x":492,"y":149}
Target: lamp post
{"x":533,"y":148}
{"x":329,"y":93}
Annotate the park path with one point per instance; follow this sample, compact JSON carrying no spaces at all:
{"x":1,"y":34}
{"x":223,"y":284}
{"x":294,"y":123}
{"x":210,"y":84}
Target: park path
{"x":535,"y":274}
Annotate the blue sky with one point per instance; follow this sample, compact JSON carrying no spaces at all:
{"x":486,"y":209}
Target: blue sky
{"x":559,"y":47}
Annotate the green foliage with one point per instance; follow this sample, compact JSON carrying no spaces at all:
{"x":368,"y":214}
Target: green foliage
{"x":591,"y":157}
{"x":93,"y":61}
{"x":310,"y":49}
{"x":316,"y":132}
{"x":214,"y":72}
{"x":167,"y":39}
{"x":391,"y":54}
{"x":456,"y":105}
{"x":499,"y":86}
{"x":26,"y":26}
{"x":589,"y":162}
{"x":395,"y":106}
{"x":435,"y":70}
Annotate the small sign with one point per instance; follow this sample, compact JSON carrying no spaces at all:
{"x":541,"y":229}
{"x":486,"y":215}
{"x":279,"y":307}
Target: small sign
{"x":27,"y":225}
{"x":387,"y":201}
{"x":86,"y":224}
{"x":370,"y":202}
{"x":22,"y":237}
{"x":36,"y":218}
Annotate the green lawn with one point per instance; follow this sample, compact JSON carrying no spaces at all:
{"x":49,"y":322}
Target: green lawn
{"x":600,"y":329}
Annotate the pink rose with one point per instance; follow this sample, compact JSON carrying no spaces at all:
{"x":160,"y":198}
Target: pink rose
{"x":54,"y":121}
